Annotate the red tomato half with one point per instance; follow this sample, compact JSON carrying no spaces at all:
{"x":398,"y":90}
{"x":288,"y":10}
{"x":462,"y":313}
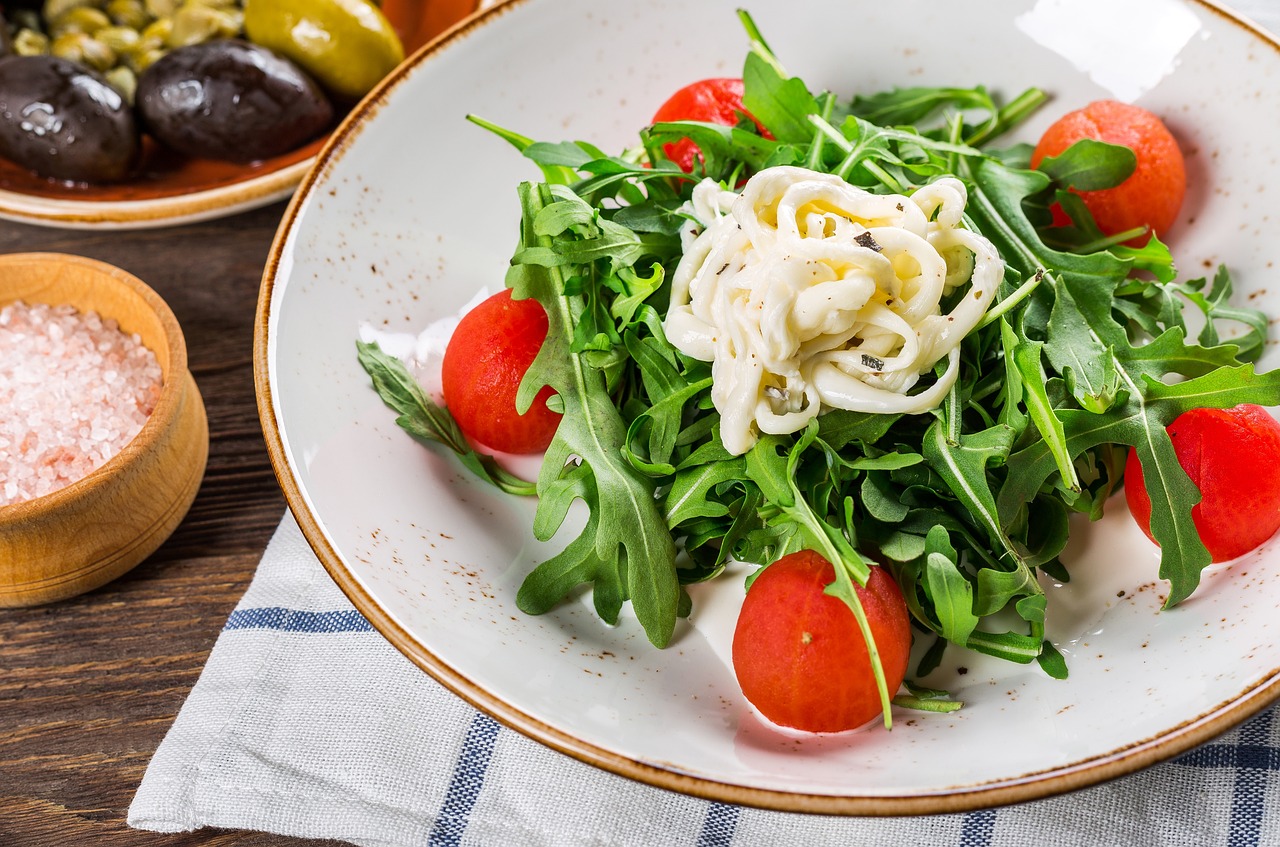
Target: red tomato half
{"x":1152,"y":195}
{"x":799,"y":655}
{"x":716,"y":101}
{"x":488,"y":355}
{"x":1233,"y":455}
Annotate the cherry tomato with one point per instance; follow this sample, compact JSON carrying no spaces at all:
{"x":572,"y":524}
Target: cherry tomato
{"x":1152,"y":195}
{"x":799,"y":654}
{"x":717,"y":101}
{"x":1233,"y":455}
{"x":487,"y":357}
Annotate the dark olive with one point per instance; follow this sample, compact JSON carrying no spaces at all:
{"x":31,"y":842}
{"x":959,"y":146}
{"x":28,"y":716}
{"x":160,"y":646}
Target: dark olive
{"x":64,"y":121}
{"x":230,"y":100}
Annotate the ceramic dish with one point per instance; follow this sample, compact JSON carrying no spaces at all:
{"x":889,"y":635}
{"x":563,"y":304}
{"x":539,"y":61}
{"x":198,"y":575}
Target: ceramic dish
{"x":174,"y":190}
{"x":411,"y":210}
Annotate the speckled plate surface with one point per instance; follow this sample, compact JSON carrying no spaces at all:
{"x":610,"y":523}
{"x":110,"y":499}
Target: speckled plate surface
{"x":170,"y":189}
{"x":411,"y":210}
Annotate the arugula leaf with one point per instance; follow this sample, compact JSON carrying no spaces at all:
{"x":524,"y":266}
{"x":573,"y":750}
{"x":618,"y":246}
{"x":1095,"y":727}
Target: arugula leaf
{"x":1091,"y":165}
{"x":781,"y":103}
{"x":1116,"y":382}
{"x":1215,"y":305}
{"x":631,"y":553}
{"x":956,"y":620}
{"x":553,"y":173}
{"x":422,"y":418}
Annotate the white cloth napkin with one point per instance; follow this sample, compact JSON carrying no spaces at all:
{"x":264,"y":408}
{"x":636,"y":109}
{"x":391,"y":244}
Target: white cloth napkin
{"x":307,"y":722}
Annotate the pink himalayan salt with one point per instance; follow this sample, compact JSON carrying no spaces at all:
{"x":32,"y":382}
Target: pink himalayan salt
{"x":74,"y":390}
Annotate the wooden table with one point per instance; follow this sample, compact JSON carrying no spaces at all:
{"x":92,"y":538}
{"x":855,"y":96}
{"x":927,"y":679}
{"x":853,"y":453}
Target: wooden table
{"x":89,"y":686}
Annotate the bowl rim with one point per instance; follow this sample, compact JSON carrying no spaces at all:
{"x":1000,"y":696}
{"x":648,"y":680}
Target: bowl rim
{"x":153,"y":429}
{"x":156,"y":212}
{"x":1030,"y":786}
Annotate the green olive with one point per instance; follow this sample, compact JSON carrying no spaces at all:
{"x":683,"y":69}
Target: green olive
{"x":162,"y":8}
{"x":85,"y":49}
{"x":130,"y":13}
{"x":81,"y":19}
{"x":347,"y":45}
{"x":158,"y":32}
{"x":28,"y":42}
{"x":193,"y":24}
{"x":143,"y":56}
{"x":54,"y":9}
{"x":118,"y":38}
{"x":124,"y":80}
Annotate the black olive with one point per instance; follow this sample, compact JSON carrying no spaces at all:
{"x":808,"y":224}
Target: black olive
{"x":230,"y":100}
{"x":62,"y":120}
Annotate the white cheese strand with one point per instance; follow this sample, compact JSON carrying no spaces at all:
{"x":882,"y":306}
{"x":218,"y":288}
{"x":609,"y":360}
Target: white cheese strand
{"x":807,"y":293}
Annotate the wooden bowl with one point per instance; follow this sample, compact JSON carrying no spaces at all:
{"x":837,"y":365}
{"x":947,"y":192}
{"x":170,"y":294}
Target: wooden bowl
{"x":97,"y":528}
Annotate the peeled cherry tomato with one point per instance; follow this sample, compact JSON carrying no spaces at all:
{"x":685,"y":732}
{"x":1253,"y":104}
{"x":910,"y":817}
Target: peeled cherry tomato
{"x":717,"y":101}
{"x":799,"y":654}
{"x":1233,"y":456}
{"x":488,"y":355}
{"x":1152,"y":195}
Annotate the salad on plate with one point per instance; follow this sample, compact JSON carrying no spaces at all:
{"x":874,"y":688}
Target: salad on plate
{"x":871,"y":347}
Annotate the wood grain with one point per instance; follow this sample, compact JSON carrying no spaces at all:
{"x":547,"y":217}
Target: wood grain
{"x":89,"y":686}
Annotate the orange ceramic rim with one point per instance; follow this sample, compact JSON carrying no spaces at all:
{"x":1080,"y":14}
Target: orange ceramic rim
{"x":1025,"y":787}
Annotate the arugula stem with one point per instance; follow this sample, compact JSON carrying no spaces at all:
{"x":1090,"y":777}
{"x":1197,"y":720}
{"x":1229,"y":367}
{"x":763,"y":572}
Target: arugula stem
{"x":957,"y":127}
{"x":1113,"y":240}
{"x":952,"y":413}
{"x":814,"y":160}
{"x":1022,"y":292}
{"x":553,"y":173}
{"x":518,"y":141}
{"x":753,"y":32}
{"x":923,"y":704}
{"x":758,"y":45}
{"x":1018,"y":110}
{"x":835,"y":135}
{"x":884,"y":176}
{"x":1015,"y":648}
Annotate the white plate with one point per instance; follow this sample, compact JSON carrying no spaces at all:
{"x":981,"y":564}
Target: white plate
{"x":412,"y":209}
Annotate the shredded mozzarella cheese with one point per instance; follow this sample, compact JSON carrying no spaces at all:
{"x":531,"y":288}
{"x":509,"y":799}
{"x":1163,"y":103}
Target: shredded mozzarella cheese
{"x":807,"y":293}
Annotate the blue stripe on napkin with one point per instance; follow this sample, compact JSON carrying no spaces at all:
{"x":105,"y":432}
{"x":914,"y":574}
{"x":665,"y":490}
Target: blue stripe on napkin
{"x":1254,"y":760}
{"x":468,"y":779}
{"x":719,"y":825}
{"x":1251,"y":757}
{"x":978,"y":828}
{"x":292,"y":620}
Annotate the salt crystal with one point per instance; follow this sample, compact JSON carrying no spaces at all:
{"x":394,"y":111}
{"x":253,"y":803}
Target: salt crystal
{"x":74,"y":390}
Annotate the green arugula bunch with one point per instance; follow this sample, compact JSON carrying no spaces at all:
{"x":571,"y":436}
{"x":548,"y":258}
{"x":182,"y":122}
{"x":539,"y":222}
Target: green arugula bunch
{"x":1085,"y":353}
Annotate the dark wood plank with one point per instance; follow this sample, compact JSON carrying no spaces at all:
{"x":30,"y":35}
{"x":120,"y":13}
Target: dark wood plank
{"x":89,"y":686}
